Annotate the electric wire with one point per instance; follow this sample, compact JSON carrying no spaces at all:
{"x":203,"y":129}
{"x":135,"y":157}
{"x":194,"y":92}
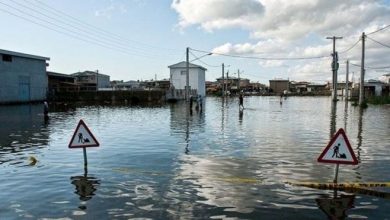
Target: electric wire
{"x":368,"y":67}
{"x":350,"y":48}
{"x":74,"y":20}
{"x":76,"y":35}
{"x":380,"y":29}
{"x":199,"y":59}
{"x":385,"y":45}
{"x":61,"y":32}
{"x":85,"y":32}
{"x":261,"y":58}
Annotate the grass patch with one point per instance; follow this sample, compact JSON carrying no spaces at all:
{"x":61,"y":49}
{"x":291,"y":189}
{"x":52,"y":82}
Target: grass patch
{"x":378,"y":100}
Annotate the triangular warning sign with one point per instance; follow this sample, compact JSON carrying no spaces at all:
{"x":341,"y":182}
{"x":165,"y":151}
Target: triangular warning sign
{"x":83,"y":137}
{"x":339,"y":150}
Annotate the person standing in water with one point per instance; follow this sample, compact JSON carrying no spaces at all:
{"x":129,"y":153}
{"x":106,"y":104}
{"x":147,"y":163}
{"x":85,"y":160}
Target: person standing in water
{"x":241,"y":98}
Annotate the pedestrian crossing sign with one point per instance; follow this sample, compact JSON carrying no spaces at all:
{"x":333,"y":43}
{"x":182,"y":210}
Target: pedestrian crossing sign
{"x":83,"y":137}
{"x":338,"y":150}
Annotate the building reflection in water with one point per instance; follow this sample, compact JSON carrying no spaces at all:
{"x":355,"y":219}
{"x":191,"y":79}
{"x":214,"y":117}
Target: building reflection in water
{"x":23,"y":128}
{"x":184,"y":121}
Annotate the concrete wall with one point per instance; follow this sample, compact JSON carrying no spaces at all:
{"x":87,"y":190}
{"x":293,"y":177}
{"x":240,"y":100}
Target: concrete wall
{"x":103,"y":81}
{"x":196,"y":79}
{"x":131,"y":96}
{"x":278,"y":86}
{"x":22,"y":80}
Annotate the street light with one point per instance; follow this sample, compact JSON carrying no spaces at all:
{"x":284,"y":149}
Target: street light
{"x":201,"y":57}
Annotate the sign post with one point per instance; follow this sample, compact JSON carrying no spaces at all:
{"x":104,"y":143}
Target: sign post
{"x":338,"y":151}
{"x":83,"y":138}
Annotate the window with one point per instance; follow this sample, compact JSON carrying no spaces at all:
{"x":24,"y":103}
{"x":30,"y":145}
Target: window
{"x":7,"y":58}
{"x":183,"y":72}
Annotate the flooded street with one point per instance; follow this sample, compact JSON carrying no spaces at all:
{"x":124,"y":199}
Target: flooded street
{"x":168,"y":163}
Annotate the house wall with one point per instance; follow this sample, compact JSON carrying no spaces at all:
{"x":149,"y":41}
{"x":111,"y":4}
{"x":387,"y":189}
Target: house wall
{"x":23,"y":80}
{"x":103,"y":81}
{"x":196,"y":79}
{"x":201,"y":82}
{"x":278,"y":86}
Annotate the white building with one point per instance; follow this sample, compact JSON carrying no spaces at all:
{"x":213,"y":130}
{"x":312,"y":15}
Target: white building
{"x":385,"y":78}
{"x":197,"y":77}
{"x":23,"y":77}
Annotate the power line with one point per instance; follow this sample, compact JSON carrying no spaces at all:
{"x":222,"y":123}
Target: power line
{"x":71,"y":33}
{"x":385,"y":45}
{"x":350,"y":48}
{"x":92,"y":27}
{"x":198,"y":59}
{"x":48,"y":27}
{"x":89,"y":33}
{"x":382,"y":67}
{"x":381,"y":29}
{"x":261,"y":58}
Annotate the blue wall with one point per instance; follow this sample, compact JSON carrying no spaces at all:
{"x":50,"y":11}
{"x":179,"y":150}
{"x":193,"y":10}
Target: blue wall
{"x":22,"y":80}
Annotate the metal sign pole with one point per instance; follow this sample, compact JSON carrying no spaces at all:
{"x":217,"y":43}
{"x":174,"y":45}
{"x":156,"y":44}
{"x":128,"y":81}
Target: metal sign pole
{"x":85,"y":157}
{"x":336,"y":175}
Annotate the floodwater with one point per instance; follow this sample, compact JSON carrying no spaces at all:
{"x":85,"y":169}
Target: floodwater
{"x":164,"y":162}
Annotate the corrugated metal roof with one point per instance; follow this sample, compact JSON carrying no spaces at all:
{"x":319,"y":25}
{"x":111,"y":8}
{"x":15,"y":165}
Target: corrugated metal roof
{"x":17,"y":54}
{"x":183,"y":64}
{"x":59,"y":74}
{"x":88,"y":73}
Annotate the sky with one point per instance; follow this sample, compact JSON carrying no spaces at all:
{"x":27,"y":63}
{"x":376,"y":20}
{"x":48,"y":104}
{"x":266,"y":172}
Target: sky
{"x":261,"y":39}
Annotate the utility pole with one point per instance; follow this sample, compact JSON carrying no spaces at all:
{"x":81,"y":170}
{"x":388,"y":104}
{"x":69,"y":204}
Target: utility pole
{"x":187,"y":89}
{"x":334,"y":67}
{"x":223,"y":79}
{"x":97,"y":80}
{"x":227,"y":81}
{"x":346,"y":81}
{"x":239,"y":81}
{"x":361,"y":87}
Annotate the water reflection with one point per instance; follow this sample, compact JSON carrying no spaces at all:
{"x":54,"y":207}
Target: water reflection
{"x":359,"y":133}
{"x":184,"y":122}
{"x":240,"y":115}
{"x":23,"y":129}
{"x":162,"y":163}
{"x":337,"y":206}
{"x":86,"y":185}
{"x":221,"y":183}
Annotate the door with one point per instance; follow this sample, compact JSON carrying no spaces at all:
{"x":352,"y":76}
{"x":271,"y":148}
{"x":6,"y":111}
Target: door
{"x":24,"y":88}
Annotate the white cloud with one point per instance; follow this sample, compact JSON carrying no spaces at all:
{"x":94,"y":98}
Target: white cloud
{"x":272,"y":63}
{"x":217,"y":14}
{"x":114,"y":7}
{"x":283,"y":19}
{"x":295,"y":28}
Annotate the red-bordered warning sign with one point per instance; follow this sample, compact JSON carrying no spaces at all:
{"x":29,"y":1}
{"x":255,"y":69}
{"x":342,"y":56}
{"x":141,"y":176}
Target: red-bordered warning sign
{"x":338,"y":151}
{"x":83,"y":137}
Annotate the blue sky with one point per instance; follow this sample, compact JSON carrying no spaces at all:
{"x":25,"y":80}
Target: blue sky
{"x":138,"y":39}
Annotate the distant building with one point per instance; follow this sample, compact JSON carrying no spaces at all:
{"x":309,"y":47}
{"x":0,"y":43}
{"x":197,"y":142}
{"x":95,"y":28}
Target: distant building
{"x":385,"y":78}
{"x":128,"y":85}
{"x":163,"y":84}
{"x":298,"y":87}
{"x":23,"y":77}
{"x":279,"y":85}
{"x":197,"y":77}
{"x":91,"y":81}
{"x":59,"y":82}
{"x":374,"y":87}
{"x":317,"y":88}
